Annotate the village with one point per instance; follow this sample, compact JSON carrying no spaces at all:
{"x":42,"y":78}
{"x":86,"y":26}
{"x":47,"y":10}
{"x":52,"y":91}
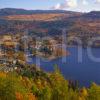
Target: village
{"x":18,"y":48}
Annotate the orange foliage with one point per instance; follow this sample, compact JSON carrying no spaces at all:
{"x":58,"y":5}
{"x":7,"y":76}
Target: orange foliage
{"x":19,"y":96}
{"x":31,"y":97}
{"x":3,"y":75}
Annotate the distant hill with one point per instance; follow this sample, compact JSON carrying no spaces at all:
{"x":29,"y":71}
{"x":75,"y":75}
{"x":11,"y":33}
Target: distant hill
{"x":36,"y":15}
{"x":13,"y":11}
{"x":92,"y":14}
{"x":50,"y":22}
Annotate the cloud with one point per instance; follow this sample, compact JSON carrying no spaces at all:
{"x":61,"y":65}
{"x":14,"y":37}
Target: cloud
{"x":71,"y":3}
{"x":98,"y":1}
{"x":85,"y":2}
{"x":66,"y":4}
{"x":57,"y":6}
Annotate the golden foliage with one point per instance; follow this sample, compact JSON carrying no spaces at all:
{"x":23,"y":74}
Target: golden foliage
{"x":3,"y":75}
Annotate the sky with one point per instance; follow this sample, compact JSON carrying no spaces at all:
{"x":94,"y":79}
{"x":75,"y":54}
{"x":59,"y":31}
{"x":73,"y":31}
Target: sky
{"x":71,"y":5}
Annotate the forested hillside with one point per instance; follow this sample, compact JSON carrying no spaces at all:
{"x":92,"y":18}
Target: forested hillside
{"x":30,"y":83}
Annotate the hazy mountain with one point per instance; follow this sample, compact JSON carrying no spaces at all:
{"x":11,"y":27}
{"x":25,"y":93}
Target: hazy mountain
{"x":50,"y":22}
{"x":92,"y":14}
{"x":13,"y":11}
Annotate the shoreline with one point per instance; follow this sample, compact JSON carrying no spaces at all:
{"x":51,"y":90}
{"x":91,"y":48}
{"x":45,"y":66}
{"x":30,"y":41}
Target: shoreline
{"x":58,"y":53}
